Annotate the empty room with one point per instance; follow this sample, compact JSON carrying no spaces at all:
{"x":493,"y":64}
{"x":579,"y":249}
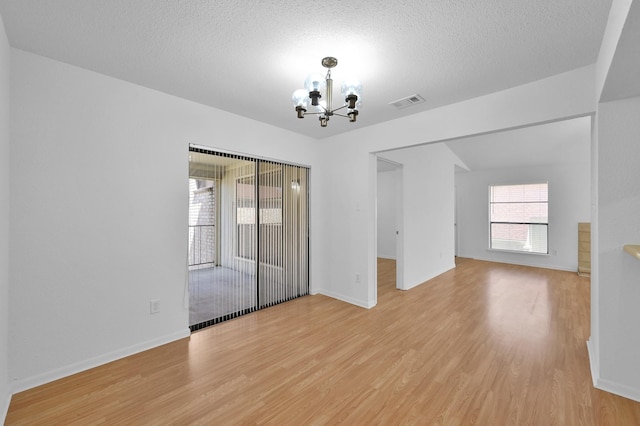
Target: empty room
{"x":295,"y":213}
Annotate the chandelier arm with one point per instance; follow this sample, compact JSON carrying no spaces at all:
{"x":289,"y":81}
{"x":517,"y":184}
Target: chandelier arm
{"x":341,"y":115}
{"x":338,"y":109}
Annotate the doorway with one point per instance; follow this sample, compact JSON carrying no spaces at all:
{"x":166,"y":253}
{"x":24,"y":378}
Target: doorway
{"x":389,"y":204}
{"x":248,"y":235}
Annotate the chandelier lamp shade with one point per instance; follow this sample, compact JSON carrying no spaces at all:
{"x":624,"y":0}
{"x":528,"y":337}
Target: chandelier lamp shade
{"x":317,"y":96}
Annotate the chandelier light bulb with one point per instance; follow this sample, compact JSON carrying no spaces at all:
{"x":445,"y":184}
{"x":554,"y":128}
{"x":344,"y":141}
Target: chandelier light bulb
{"x":351,"y":86}
{"x":351,"y":90}
{"x":315,"y":82}
{"x":300,"y":101}
{"x":300,"y":98}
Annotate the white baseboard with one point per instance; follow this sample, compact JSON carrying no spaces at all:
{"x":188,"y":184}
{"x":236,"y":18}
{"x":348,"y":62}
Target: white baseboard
{"x":593,"y":363}
{"x":4,"y":409}
{"x":59,"y":373}
{"x":390,"y":256}
{"x":432,"y":276}
{"x":618,"y":389}
{"x":343,"y":298}
{"x":608,"y":385}
{"x":531,"y":264}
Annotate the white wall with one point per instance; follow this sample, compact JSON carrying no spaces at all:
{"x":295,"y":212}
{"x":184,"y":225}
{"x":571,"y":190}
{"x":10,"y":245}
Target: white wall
{"x":569,"y":203}
{"x":427,"y":212}
{"x":614,"y":344}
{"x":5,"y":394}
{"x":618,"y":224}
{"x":387,"y":204}
{"x":99,"y":201}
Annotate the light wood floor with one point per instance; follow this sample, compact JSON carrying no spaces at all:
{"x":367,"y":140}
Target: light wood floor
{"x":486,"y":343}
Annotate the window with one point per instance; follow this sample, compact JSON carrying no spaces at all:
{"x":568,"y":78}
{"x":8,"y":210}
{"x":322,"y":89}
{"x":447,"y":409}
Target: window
{"x":518,"y":216}
{"x":202,"y":222}
{"x":270,"y":210}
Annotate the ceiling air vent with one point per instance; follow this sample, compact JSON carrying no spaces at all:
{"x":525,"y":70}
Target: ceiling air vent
{"x":407,"y":102}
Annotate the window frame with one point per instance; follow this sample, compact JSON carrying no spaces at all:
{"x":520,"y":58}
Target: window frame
{"x":492,"y":222}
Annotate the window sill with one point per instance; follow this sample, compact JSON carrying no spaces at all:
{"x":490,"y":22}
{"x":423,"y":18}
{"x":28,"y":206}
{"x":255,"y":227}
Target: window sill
{"x":519,"y":252}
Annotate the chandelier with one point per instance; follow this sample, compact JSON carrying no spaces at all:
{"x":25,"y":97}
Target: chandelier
{"x":316,"y":86}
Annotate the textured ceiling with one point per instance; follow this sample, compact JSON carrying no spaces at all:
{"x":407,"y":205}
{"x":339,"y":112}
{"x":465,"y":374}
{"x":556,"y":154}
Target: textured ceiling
{"x":247,"y":57}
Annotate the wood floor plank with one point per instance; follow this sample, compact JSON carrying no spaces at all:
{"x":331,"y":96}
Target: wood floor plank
{"x":485,"y":343}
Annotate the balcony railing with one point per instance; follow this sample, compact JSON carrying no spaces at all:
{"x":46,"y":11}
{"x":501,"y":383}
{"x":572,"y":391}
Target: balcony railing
{"x":202,"y":245}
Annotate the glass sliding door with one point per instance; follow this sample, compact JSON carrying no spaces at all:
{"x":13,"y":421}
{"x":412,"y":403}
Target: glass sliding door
{"x":271,"y":277}
{"x":296,"y":231}
{"x":283,"y":239}
{"x":222,"y":275}
{"x":248,"y":235}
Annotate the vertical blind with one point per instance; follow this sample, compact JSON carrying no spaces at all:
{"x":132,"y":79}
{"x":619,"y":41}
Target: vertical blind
{"x":248,"y":235}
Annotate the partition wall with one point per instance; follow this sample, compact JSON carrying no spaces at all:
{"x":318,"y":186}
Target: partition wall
{"x":248,"y":235}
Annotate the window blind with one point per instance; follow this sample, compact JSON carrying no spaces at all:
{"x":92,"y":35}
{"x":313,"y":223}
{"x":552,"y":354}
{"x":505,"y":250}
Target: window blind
{"x":519,"y":217}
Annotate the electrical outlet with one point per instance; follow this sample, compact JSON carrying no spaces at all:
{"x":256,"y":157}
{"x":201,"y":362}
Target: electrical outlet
{"x":154,"y":306}
{"x":357,"y":278}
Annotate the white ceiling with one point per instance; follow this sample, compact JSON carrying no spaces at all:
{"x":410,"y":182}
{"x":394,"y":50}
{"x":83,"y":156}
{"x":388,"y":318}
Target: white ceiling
{"x":622,"y":79}
{"x":562,"y":142}
{"x":248,"y":57}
